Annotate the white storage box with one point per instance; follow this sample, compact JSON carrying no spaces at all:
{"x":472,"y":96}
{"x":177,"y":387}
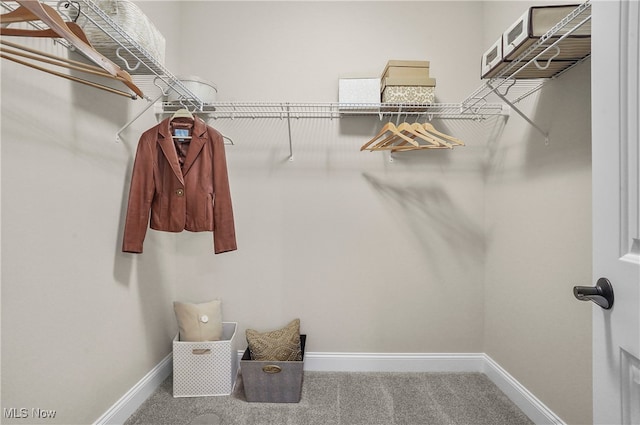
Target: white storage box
{"x":492,"y":60}
{"x":205,"y":368}
{"x":358,"y":90}
{"x":202,"y":89}
{"x":536,"y":22}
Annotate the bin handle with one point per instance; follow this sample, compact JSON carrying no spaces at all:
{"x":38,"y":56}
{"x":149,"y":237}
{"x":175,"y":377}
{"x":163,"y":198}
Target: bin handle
{"x":201,"y":351}
{"x":272,"y":368}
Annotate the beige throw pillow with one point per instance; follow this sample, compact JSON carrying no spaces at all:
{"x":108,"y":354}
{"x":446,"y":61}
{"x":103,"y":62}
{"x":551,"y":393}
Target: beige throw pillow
{"x":276,"y":346}
{"x":199,"y":322}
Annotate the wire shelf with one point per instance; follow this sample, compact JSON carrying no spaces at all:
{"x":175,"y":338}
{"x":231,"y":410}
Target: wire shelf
{"x":517,"y":80}
{"x":233,"y":110}
{"x":138,"y":57}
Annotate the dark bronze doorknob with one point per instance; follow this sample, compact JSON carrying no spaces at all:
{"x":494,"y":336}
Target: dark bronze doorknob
{"x":601,"y":294}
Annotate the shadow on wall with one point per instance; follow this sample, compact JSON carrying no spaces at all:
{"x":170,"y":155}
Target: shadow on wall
{"x":123,"y":262}
{"x":149,"y":276}
{"x":152,"y":273}
{"x":442,"y":227}
{"x":562,"y":108}
{"x":90,"y":98}
{"x":569,"y":145}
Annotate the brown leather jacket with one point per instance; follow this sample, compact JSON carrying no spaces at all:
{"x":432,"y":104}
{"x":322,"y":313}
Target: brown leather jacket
{"x":183,"y":185}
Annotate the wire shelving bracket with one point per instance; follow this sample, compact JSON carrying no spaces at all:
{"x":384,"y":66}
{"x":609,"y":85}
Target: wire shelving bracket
{"x":515,"y":89}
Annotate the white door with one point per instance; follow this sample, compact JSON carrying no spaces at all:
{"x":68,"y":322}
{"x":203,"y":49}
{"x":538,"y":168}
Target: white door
{"x":616,"y":211}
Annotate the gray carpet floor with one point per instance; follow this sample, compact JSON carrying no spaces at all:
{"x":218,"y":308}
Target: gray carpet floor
{"x":347,"y":398}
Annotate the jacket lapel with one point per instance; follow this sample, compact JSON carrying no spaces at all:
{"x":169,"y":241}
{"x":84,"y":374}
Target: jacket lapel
{"x":166,"y":144}
{"x":198,"y":139}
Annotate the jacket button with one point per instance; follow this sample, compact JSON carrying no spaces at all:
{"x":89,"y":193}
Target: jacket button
{"x":180,"y":192}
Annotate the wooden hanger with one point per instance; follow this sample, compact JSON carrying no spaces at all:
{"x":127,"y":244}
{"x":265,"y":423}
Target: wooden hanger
{"x":387,"y":127}
{"x":30,"y":9}
{"x":395,"y":133}
{"x":411,"y":137}
{"x":444,"y":140}
{"x":431,"y":129}
{"x":421,"y":130}
{"x":407,"y":133}
{"x":36,"y":55}
{"x":66,"y":76}
{"x":48,"y":33}
{"x":54,"y":60}
{"x":22,"y":14}
{"x":411,"y":130}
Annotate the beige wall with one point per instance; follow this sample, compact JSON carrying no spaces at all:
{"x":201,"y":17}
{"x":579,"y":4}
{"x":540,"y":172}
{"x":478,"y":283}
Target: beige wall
{"x":81,"y":321}
{"x":538,"y":238}
{"x":372,"y":255}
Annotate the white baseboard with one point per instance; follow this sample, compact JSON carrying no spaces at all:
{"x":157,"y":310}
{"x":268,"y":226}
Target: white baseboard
{"x":393,"y":362}
{"x":132,"y":399}
{"x":362,"y":362}
{"x":537,"y":411}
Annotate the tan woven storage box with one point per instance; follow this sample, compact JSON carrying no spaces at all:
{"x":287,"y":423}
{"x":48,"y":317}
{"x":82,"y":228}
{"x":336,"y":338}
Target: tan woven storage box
{"x":272,"y":382}
{"x":205,"y":368}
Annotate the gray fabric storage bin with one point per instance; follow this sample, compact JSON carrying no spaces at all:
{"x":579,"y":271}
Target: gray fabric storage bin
{"x":272,"y":382}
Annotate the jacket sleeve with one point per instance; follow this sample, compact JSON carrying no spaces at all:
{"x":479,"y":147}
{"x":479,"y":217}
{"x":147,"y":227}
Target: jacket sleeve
{"x":224,"y":233}
{"x":140,"y":198}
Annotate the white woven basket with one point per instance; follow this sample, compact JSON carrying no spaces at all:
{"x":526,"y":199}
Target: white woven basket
{"x":132,"y":21}
{"x":205,"y":368}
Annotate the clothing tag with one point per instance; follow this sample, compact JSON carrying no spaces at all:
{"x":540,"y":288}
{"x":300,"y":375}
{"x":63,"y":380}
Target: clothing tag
{"x":181,"y":135}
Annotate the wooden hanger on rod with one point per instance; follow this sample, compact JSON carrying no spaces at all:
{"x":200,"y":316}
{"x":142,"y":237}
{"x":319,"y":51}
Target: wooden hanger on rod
{"x":431,"y":129}
{"x":10,"y":55}
{"x":409,"y":130}
{"x":48,"y":58}
{"x":408,"y":136}
{"x":394,"y":132}
{"x":31,"y":10}
{"x":45,"y":33}
{"x":22,"y":14}
{"x":431,"y":137}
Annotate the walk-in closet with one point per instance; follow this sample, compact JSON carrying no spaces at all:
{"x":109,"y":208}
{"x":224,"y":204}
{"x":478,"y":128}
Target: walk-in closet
{"x":452,"y":248}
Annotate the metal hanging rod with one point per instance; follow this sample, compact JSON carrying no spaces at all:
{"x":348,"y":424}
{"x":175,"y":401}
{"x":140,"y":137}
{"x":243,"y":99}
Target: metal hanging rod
{"x":288,"y":111}
{"x":282,"y":110}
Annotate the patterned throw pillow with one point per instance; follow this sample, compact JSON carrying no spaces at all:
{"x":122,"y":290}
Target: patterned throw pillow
{"x":199,"y":322}
{"x":276,"y":346}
